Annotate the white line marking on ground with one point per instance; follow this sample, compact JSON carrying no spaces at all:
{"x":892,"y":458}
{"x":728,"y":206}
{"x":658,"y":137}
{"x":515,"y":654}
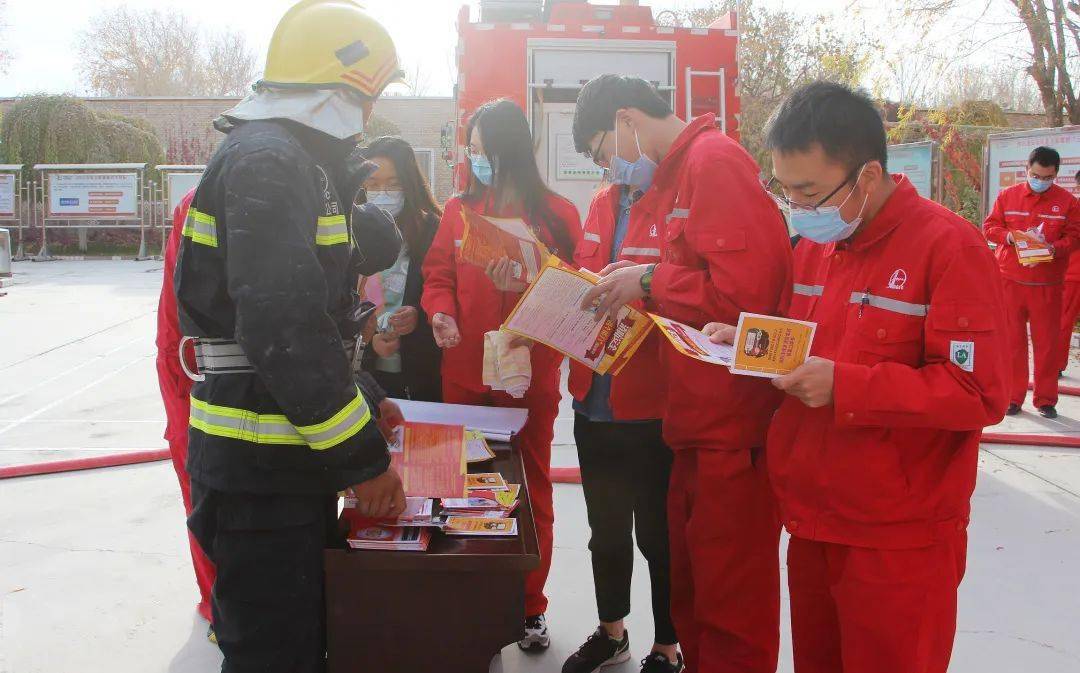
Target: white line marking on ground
{"x":67,"y":371}
{"x":74,"y":394}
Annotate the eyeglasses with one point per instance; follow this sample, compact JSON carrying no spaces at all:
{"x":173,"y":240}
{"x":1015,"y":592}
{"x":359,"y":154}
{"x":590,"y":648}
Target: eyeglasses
{"x":592,"y":154}
{"x":775,"y":190}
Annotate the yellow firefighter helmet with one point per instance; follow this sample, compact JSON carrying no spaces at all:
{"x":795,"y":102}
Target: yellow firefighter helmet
{"x":321,"y":43}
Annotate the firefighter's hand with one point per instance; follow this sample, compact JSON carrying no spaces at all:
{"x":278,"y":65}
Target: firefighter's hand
{"x":811,"y":382}
{"x":616,"y":289}
{"x":386,"y":344}
{"x":501,"y":274}
{"x":719,"y":333}
{"x":403,"y":321}
{"x":390,"y":417}
{"x":381,"y":497}
{"x":445,"y":329}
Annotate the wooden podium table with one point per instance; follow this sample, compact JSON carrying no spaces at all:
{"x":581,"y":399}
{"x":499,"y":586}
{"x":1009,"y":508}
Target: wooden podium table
{"x":450,"y":609}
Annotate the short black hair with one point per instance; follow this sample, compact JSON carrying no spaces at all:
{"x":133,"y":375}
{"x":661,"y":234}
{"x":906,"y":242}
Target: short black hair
{"x":1045,"y":156}
{"x":1077,"y":177}
{"x":844,"y":121}
{"x":605,"y":95}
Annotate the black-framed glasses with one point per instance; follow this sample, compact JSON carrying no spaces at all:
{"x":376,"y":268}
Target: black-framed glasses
{"x":591,"y":153}
{"x":774,"y":189}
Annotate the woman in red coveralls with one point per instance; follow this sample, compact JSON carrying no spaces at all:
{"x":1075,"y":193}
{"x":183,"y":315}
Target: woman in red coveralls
{"x":464,"y":302}
{"x":175,"y":387}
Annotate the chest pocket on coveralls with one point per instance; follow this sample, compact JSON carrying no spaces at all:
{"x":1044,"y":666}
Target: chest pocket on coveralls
{"x":680,"y":239}
{"x":882,"y":335}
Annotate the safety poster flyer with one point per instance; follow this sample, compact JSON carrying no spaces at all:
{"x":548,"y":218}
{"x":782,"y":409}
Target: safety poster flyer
{"x":480,"y":526}
{"x":769,"y":346}
{"x":550,"y":312}
{"x":489,"y":239}
{"x":431,"y":460}
{"x":694,"y":343}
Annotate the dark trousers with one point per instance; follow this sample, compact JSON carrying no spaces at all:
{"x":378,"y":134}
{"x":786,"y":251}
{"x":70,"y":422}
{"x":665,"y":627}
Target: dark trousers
{"x":267,"y":601}
{"x":625,"y":468}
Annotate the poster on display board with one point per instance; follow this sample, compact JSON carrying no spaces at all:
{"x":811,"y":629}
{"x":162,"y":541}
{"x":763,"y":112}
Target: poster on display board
{"x":916,"y":161}
{"x":571,"y":164}
{"x":96,"y":196}
{"x":1007,"y":156}
{"x":7,"y":195}
{"x":179,"y":185}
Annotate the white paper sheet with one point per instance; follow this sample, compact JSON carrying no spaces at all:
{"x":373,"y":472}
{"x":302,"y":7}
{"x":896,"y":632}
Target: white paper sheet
{"x":498,"y":424}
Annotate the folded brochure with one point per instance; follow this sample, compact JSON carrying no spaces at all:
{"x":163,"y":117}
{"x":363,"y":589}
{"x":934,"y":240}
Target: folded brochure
{"x":550,"y":312}
{"x":430,"y":458}
{"x":764,"y":345}
{"x":489,"y":239}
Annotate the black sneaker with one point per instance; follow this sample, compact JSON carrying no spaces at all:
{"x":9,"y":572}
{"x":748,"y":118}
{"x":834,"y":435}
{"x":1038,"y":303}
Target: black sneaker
{"x":599,"y":650}
{"x":536,"y":634}
{"x":1013,"y":409}
{"x":1048,"y":411}
{"x":658,"y":663}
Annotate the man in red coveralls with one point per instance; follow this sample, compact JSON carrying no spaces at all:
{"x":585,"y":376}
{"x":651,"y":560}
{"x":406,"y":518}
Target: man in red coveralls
{"x":724,"y":250}
{"x":1039,"y":208}
{"x":872,"y":454}
{"x":1070,"y":303}
{"x":175,"y":390}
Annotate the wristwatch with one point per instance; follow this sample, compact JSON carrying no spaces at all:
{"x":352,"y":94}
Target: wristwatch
{"x":646,"y":279}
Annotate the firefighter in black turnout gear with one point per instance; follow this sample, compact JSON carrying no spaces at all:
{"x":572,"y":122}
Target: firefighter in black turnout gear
{"x":265,"y":285}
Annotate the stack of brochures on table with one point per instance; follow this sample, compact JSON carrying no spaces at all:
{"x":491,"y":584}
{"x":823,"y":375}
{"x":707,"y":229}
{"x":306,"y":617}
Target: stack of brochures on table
{"x":484,"y":513}
{"x":390,"y":538}
{"x":483,"y":503}
{"x":418,"y":512}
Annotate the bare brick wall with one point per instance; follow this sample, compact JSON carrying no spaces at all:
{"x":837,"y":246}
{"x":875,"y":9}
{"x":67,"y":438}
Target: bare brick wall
{"x":187,"y":134}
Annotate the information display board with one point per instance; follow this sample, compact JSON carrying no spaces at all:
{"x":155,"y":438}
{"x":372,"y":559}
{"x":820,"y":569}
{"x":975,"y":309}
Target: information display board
{"x":179,"y":184}
{"x":7,"y":196}
{"x":916,"y":161}
{"x":93,"y":196}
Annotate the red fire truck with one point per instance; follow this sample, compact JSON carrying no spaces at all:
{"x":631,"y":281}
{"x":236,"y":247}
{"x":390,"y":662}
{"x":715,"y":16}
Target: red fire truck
{"x":540,"y":54}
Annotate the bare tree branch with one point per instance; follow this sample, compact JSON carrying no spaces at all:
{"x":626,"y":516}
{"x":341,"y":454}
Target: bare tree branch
{"x":127,"y":52}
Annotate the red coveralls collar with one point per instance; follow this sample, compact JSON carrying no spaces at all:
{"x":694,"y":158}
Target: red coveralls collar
{"x":892,"y":213}
{"x":672,"y":160}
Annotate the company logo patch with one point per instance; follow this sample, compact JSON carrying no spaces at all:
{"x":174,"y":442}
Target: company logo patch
{"x":898,"y":279}
{"x":1057,"y":209}
{"x":962,"y":354}
{"x":652,"y":231}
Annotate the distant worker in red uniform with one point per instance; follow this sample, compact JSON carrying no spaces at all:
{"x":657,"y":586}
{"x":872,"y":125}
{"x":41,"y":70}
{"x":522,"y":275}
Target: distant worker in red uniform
{"x":1041,"y":210}
{"x":873,"y":453}
{"x":175,"y":391}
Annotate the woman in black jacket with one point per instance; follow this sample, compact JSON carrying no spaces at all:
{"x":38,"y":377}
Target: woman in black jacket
{"x":403,"y":356}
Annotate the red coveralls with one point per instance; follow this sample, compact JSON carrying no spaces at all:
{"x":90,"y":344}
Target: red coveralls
{"x":635,"y":392}
{"x":1070,"y":307}
{"x":175,"y":389}
{"x":725,"y":250}
{"x":875,"y":489}
{"x":464,"y":292}
{"x":1033,"y":294}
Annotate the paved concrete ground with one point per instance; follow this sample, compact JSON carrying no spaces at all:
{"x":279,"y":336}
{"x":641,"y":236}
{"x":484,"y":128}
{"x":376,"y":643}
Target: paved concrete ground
{"x":94,"y":572}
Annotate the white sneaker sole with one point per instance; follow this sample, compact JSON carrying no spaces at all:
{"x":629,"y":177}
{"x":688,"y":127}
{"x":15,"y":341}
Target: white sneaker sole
{"x":533,"y":643}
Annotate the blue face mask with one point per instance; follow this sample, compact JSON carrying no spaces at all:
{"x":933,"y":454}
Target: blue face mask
{"x":825,"y":224}
{"x":637,"y":174}
{"x":1039,"y":186}
{"x":481,"y":168}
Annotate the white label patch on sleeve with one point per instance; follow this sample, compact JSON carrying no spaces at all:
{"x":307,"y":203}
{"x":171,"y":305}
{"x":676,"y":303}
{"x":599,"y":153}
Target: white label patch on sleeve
{"x":962,"y":354}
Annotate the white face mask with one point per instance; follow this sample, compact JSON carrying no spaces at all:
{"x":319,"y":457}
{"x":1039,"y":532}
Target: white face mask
{"x":392,"y":202}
